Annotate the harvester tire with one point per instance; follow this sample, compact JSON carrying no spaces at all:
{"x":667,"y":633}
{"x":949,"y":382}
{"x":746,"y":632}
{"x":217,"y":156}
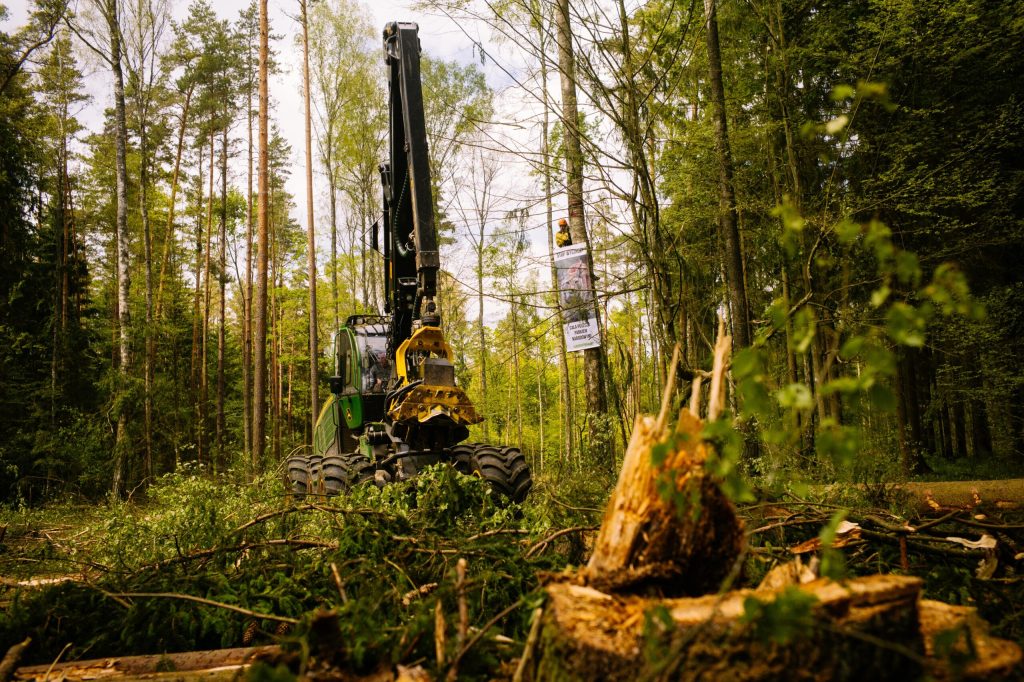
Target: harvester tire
{"x":341,"y":473}
{"x":316,"y":479}
{"x":298,"y":476}
{"x":505,"y":468}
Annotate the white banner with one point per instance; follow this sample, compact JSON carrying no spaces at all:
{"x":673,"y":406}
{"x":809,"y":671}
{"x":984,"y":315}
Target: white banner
{"x":576,"y":294}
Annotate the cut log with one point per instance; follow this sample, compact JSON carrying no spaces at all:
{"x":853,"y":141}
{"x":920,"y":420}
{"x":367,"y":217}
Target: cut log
{"x":866,"y":628}
{"x":937,"y":496}
{"x":217,"y":664}
{"x":667,"y":526}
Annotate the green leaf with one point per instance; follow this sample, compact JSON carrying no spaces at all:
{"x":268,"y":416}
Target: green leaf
{"x":908,"y":268}
{"x":795,"y":396}
{"x":827,"y":535}
{"x":747,"y":363}
{"x":804,"y":327}
{"x":659,"y":453}
{"x":754,"y":397}
{"x":844,"y":91}
{"x":880,"y":296}
{"x":905,"y":325}
{"x":843,"y":385}
{"x":847,"y":230}
{"x":851,"y":347}
{"x":837,"y":124}
{"x":788,"y":616}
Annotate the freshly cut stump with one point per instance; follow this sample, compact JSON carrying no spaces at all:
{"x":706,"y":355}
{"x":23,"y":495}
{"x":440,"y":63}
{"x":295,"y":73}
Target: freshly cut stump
{"x":667,"y":527}
{"x":866,"y":628}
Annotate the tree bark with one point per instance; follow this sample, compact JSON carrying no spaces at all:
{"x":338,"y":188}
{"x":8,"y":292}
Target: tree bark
{"x":122,"y":446}
{"x":314,"y":400}
{"x":169,"y":229}
{"x":548,"y":167}
{"x":150,"y":337}
{"x":593,"y":365}
{"x":260,"y":341}
{"x":727,"y":219}
{"x":203,"y":443}
{"x":247,"y":302}
{"x":221,"y":424}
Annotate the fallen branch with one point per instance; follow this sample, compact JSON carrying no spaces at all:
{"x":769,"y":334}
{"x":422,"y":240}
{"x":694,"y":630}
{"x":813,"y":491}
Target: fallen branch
{"x":201,"y":600}
{"x":540,"y":546}
{"x":11,"y":658}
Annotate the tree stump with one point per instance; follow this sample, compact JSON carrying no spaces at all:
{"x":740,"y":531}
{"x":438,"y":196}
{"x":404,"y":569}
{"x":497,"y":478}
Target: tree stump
{"x":588,"y":635}
{"x":668,"y":527}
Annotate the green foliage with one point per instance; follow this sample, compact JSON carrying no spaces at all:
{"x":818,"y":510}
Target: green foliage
{"x":832,"y":563}
{"x":245,"y":545}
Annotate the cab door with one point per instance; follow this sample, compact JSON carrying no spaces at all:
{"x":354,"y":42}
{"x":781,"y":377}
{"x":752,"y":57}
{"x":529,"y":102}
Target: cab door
{"x":349,"y":400}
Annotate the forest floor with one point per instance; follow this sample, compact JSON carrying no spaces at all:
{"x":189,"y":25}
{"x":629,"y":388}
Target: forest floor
{"x":432,"y":573}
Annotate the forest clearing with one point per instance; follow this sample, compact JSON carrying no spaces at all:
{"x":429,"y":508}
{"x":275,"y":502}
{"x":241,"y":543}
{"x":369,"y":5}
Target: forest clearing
{"x":532,"y":340}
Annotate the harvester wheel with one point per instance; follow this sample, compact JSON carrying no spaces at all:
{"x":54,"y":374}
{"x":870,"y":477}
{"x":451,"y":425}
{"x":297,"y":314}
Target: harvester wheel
{"x":341,"y":473}
{"x":462,"y":457}
{"x":316,"y":478}
{"x":298,"y":476}
{"x":504,"y":468}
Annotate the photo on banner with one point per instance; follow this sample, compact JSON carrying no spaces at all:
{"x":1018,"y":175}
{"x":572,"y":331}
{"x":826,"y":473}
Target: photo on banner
{"x":576,"y":292}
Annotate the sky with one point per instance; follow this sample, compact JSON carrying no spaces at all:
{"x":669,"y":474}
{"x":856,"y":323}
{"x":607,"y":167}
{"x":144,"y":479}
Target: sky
{"x":441,"y":37}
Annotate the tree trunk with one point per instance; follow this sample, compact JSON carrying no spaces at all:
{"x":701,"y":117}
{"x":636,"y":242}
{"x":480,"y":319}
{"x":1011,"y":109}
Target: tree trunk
{"x":332,"y":188}
{"x":546,"y":161}
{"x":122,"y":446}
{"x":247,"y":302}
{"x":150,"y":338}
{"x":727,"y":219}
{"x":169,"y":230}
{"x":314,"y":380}
{"x":260,"y":341}
{"x":959,"y":426}
{"x":587,"y":635}
{"x":593,"y":366}
{"x":981,"y":433}
{"x":926,"y":379}
{"x":911,"y":462}
{"x":911,"y":392}
{"x":222,"y":279}
{"x":204,"y":367}
{"x":197,"y":298}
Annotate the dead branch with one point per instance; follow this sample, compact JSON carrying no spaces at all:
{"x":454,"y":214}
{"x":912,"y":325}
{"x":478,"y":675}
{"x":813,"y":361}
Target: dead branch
{"x":540,"y":546}
{"x":11,"y":658}
{"x":201,"y":600}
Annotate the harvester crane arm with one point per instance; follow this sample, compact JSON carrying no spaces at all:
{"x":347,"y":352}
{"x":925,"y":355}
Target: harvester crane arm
{"x":410,"y":236}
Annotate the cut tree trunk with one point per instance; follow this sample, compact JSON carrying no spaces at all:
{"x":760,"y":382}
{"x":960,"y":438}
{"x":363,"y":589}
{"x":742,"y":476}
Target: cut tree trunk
{"x":588,"y":635}
{"x":874,"y":627}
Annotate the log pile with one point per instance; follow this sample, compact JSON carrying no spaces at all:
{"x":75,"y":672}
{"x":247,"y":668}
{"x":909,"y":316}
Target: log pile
{"x":654,"y":602}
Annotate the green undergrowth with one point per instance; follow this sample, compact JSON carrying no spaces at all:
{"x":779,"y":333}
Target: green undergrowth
{"x":394,"y":551}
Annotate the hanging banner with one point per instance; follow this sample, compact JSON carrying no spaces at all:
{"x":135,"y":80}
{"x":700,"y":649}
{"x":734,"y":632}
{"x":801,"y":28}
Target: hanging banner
{"x":576,"y":294}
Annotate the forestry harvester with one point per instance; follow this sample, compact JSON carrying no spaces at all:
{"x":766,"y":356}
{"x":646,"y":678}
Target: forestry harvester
{"x":394,"y":406}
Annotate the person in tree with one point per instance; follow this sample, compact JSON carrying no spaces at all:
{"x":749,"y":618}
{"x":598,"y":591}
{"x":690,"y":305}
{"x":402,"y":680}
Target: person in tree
{"x":562,"y":237}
